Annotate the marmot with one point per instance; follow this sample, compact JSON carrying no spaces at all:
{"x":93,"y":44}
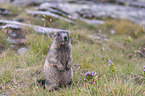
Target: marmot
{"x":57,"y":67}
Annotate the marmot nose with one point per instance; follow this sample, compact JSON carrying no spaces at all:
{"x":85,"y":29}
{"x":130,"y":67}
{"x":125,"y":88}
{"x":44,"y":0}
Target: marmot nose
{"x":65,"y":38}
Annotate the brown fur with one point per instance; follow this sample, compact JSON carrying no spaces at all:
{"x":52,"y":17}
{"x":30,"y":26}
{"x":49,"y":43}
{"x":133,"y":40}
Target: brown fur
{"x":57,"y":66}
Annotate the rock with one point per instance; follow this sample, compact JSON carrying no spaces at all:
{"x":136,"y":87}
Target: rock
{"x":13,"y":46}
{"x":17,"y":19}
{"x":13,"y":35}
{"x":59,"y":9}
{"x":92,"y":22}
{"x":23,"y":2}
{"x":114,"y":11}
{"x":22,"y":51}
{"x":18,"y":25}
{"x":12,"y":26}
{"x":98,"y":37}
{"x":112,"y":31}
{"x":53,"y":8}
{"x":12,"y":41}
{"x":95,"y":10}
{"x":4,"y":11}
{"x":47,"y":13}
{"x":134,"y":3}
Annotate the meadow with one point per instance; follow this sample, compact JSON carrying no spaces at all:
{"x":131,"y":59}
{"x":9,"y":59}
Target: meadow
{"x":117,"y":61}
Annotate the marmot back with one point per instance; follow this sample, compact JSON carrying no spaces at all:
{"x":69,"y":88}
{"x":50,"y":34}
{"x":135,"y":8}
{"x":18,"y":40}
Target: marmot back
{"x":57,"y":66}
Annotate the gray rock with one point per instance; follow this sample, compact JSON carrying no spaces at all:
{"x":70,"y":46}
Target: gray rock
{"x":22,"y":51}
{"x":13,"y":46}
{"x":9,"y":25}
{"x":135,"y":3}
{"x":112,"y":31}
{"x":98,"y":37}
{"x":12,"y":41}
{"x":18,"y":25}
{"x":13,"y":35}
{"x":47,"y":13}
{"x":60,"y":9}
{"x":4,"y":11}
{"x":92,"y":22}
{"x":95,"y":10}
{"x":17,"y":19}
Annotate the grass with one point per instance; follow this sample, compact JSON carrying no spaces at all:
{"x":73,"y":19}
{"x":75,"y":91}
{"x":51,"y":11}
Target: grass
{"x":3,"y":42}
{"x":19,"y":74}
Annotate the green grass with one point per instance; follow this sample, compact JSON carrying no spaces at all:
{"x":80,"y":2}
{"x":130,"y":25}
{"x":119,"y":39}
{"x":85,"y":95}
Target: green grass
{"x":3,"y":42}
{"x":19,"y":74}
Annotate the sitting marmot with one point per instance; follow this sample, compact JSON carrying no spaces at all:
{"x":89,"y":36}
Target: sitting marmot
{"x":57,"y":67}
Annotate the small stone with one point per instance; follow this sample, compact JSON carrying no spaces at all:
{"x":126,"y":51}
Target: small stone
{"x":13,"y":46}
{"x":17,"y":19}
{"x":21,"y":51}
{"x":97,"y":37}
{"x":105,"y":39}
{"x":112,"y":31}
{"x":4,"y":11}
{"x":13,"y":35}
{"x":12,"y":41}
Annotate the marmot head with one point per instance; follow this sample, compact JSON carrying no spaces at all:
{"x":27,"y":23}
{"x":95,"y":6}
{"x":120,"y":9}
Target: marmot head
{"x":61,"y":38}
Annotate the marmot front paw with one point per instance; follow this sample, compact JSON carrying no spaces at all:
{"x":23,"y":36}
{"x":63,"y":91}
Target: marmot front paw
{"x":61,"y":68}
{"x":68,"y":67}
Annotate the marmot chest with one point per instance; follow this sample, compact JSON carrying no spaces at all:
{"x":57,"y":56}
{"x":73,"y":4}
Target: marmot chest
{"x":63,"y":55}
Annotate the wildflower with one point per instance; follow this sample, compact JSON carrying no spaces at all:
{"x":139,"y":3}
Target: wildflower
{"x":143,"y":70}
{"x":95,"y":73}
{"x":96,"y":77}
{"x":110,"y":61}
{"x":92,"y":73}
{"x":132,"y":47}
{"x":108,"y":64}
{"x":22,"y":84}
{"x":88,"y":73}
{"x":50,"y":20}
{"x":143,"y":66}
{"x":105,"y":85}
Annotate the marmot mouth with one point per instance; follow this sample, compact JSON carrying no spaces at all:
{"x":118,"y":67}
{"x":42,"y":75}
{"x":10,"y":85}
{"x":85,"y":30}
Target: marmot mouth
{"x":64,"y":42}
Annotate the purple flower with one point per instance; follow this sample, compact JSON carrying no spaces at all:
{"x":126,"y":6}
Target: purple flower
{"x":144,"y":70}
{"x":95,"y":74}
{"x":92,"y":73}
{"x":143,"y":66}
{"x":88,"y":73}
{"x":110,"y":61}
{"x":96,"y":77}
